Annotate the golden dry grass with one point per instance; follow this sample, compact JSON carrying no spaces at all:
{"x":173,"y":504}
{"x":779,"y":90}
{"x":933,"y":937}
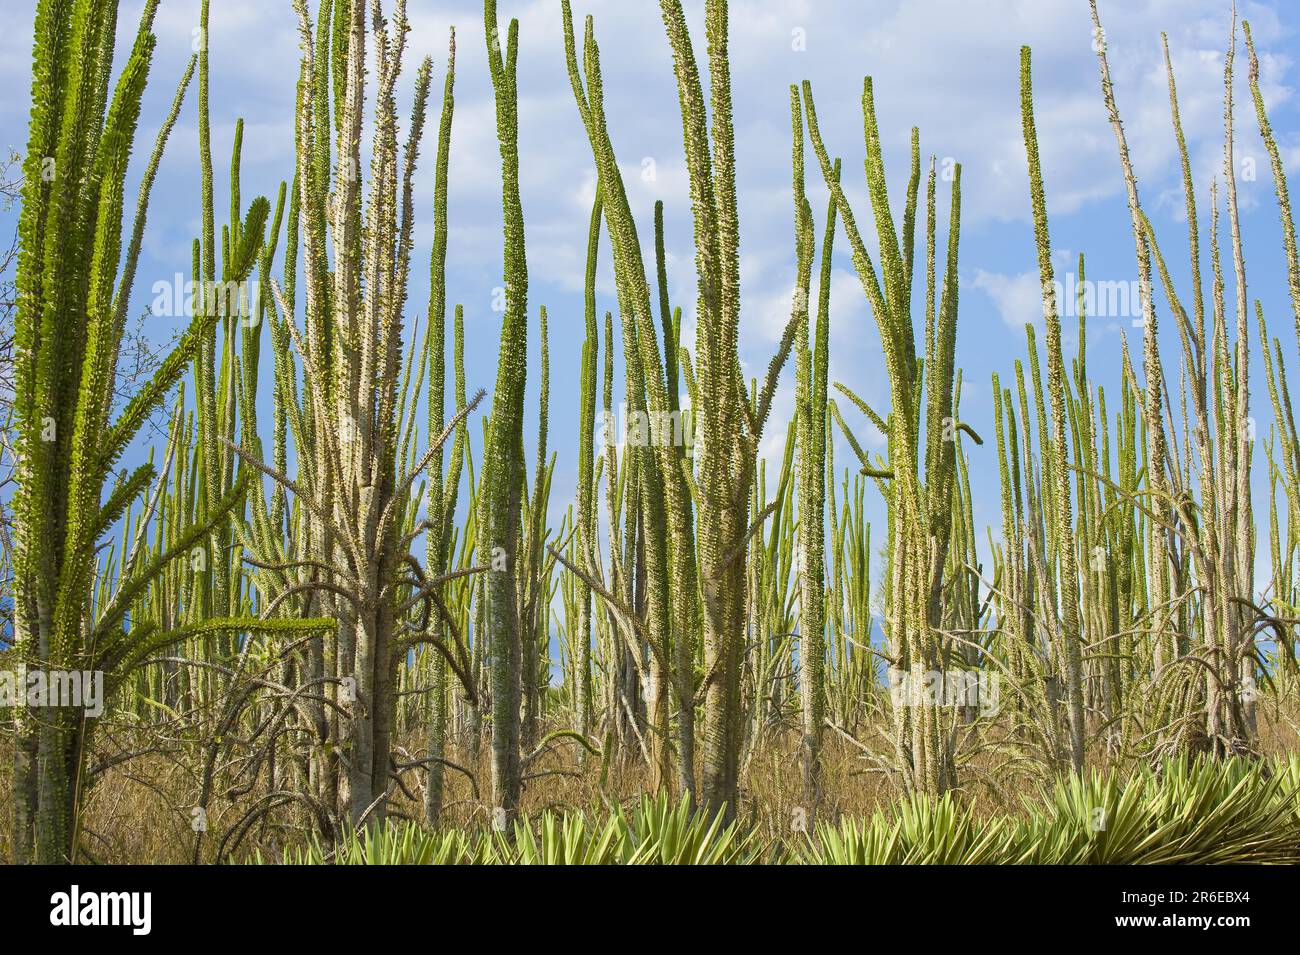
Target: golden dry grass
{"x":140,"y":811}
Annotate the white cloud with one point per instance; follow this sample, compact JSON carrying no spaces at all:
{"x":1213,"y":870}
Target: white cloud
{"x":1018,"y":298}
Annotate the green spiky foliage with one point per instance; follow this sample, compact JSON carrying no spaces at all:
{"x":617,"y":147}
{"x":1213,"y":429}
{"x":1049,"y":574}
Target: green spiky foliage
{"x":1179,"y":812}
{"x":654,"y":832}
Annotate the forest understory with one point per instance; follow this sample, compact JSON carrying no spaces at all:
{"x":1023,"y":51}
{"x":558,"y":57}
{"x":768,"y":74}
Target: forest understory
{"x":1248,"y":814}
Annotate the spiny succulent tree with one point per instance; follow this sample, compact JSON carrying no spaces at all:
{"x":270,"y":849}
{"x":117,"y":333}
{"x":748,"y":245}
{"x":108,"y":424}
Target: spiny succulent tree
{"x":225,"y":370}
{"x":811,"y":357}
{"x":729,"y":421}
{"x":501,"y":494}
{"x":1057,"y":448}
{"x":1215,"y":534}
{"x":355,"y":474}
{"x":1157,"y":474}
{"x":919,"y":480}
{"x":709,"y":503}
{"x":444,"y":487}
{"x":538,"y":586}
{"x":74,"y":289}
{"x":585,"y":536}
{"x":1124,"y":589}
{"x":654,"y":489}
{"x":1284,"y":542}
{"x":517,"y":593}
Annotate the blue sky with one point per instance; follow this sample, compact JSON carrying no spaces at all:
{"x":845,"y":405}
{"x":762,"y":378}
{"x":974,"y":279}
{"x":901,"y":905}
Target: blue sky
{"x":947,"y":66}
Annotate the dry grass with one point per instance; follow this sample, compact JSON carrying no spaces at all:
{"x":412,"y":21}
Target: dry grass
{"x":139,"y":811}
